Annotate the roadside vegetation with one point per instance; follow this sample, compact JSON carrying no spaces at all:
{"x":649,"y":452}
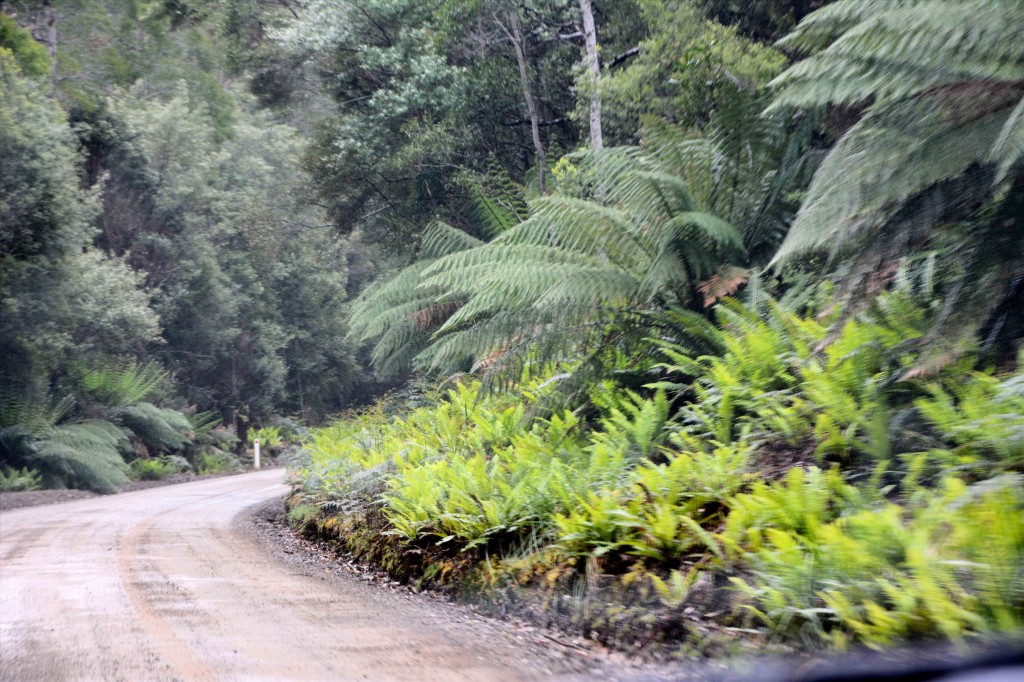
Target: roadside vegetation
{"x":802,"y":496}
{"x":698,"y":323}
{"x":752,"y":377}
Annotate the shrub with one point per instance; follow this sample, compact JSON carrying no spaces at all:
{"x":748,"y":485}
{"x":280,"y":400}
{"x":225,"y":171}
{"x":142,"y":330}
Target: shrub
{"x":829,"y":569}
{"x":153,"y":469}
{"x":17,"y":480}
{"x":215,"y":461}
{"x":268,"y":436}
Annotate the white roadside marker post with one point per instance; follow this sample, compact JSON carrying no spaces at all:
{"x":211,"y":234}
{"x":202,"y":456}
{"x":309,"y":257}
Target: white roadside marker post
{"x":256,"y":453}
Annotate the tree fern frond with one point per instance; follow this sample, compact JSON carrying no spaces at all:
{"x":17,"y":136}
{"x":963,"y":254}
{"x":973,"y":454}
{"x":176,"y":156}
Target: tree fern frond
{"x":375,"y":321}
{"x":862,"y":18}
{"x":498,"y":203}
{"x":892,"y":155}
{"x":83,"y":454}
{"x":699,"y":226}
{"x":583,"y":227}
{"x":602,"y":168}
{"x":35,"y":415}
{"x":1008,"y":150}
{"x":98,"y":468}
{"x":94,"y":433}
{"x":117,"y":385}
{"x":397,"y":347}
{"x":158,"y":429}
{"x":203,"y":422}
{"x":461,"y":269}
{"x":824,"y":26}
{"x":652,"y":195}
{"x":441,"y":239}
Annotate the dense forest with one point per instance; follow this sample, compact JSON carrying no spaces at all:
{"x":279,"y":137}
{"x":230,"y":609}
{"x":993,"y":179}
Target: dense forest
{"x":632,"y":309}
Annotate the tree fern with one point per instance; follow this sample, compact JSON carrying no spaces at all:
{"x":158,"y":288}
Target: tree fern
{"x":83,"y":454}
{"x":935,"y":160}
{"x":114,"y":385}
{"x":630,"y":231}
{"x":158,"y":429}
{"x":637,"y":240}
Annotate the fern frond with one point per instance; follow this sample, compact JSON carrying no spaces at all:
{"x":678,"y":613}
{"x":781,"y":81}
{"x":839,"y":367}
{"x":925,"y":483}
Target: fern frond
{"x":84,"y":454}
{"x":1008,"y":150}
{"x":160,"y":430}
{"x":36,"y":415}
{"x":892,"y":155}
{"x":441,"y":239}
{"x":117,"y":385}
{"x":902,"y":49}
{"x":96,"y":433}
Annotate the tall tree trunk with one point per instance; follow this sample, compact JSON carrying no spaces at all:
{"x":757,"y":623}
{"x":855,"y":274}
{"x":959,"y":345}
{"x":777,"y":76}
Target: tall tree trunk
{"x":594,"y":64}
{"x":514,"y":31}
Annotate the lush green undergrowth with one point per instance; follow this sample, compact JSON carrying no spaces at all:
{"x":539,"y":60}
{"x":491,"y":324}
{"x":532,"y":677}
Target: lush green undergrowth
{"x":798,"y":483}
{"x":106,"y":433}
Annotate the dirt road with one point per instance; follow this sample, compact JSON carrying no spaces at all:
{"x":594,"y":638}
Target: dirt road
{"x":159,"y":585}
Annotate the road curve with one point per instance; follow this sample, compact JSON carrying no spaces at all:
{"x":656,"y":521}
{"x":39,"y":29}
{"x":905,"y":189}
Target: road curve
{"x":155,"y":585}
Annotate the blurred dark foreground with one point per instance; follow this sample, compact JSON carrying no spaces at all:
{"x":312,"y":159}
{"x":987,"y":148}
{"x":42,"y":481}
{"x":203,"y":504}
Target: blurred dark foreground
{"x":995,"y":661}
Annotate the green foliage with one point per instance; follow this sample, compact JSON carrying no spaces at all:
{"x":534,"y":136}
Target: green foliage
{"x":268,"y":436}
{"x":661,"y":512}
{"x":63,"y":302}
{"x":718,"y":483}
{"x":300,"y":515}
{"x":18,"y":480}
{"x":689,"y":70}
{"x":83,"y":454}
{"x":927,"y":166}
{"x":215,"y":461}
{"x":780,"y":377}
{"x":30,"y":55}
{"x":558,"y":278}
{"x":158,"y":429}
{"x":835,"y":570}
{"x":982,"y":416}
{"x":153,"y":469}
{"x":120,"y":385}
{"x":422,"y":92}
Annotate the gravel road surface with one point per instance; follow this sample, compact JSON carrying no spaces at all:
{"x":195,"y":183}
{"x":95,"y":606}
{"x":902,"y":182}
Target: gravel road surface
{"x":161,"y":584}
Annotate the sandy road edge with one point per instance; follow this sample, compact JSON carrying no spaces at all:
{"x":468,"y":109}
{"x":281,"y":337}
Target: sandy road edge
{"x":264,"y":525}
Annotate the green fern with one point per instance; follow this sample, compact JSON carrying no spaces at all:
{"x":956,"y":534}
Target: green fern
{"x":159,"y":429}
{"x":576,"y":262}
{"x":119,"y":385}
{"x":19,"y":480}
{"x":83,"y":454}
{"x":934,"y":162}
{"x":34,"y":415}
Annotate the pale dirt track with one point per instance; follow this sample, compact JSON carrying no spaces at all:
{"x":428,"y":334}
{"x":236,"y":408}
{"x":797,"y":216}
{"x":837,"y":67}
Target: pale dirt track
{"x":159,"y":585}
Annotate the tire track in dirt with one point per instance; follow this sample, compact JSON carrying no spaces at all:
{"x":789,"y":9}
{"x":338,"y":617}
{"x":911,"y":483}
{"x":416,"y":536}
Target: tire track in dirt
{"x":146,"y":588}
{"x":160,"y":585}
